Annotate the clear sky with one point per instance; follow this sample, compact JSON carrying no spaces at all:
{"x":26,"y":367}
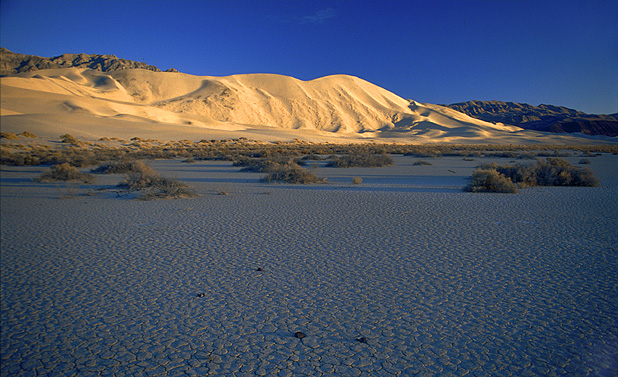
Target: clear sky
{"x":560,"y":52}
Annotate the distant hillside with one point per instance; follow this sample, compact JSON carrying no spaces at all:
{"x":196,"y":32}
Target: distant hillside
{"x":546,"y":118}
{"x":12,"y":63}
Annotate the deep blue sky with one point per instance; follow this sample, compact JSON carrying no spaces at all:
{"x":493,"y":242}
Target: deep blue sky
{"x":560,"y":52}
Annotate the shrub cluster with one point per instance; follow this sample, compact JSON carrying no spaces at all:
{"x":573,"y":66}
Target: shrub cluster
{"x":82,"y":154}
{"x":64,"y":172}
{"x":278,"y":168}
{"x":550,"y":172}
{"x":360,"y":160}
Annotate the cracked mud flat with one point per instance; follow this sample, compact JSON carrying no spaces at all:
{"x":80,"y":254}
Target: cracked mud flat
{"x":433,"y":280}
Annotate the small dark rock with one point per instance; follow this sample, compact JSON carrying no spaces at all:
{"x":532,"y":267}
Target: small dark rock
{"x":299,"y":335}
{"x":362,"y":339}
{"x":259,"y":269}
{"x":201,"y":294}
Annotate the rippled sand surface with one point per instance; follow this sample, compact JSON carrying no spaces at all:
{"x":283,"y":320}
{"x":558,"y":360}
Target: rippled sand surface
{"x":433,"y":280}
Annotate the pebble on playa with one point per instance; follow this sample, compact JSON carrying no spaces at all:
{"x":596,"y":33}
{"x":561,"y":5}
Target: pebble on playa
{"x":299,"y":334}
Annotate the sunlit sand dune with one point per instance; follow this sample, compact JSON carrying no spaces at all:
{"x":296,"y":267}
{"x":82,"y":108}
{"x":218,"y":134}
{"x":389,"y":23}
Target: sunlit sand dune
{"x":168,"y":105}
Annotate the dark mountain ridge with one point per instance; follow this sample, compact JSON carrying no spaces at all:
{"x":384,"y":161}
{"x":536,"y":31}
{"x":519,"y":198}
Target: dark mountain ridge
{"x":12,"y":63}
{"x":547,"y":118}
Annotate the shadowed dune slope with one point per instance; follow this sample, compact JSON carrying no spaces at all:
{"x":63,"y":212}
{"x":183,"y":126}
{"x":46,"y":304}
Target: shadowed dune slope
{"x":173,"y":105}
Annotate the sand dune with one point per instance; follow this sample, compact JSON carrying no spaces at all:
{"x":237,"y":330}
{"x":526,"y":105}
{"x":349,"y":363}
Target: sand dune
{"x":170,"y":105}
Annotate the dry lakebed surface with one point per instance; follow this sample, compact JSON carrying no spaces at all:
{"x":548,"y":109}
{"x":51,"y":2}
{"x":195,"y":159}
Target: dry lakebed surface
{"x":403,"y":274}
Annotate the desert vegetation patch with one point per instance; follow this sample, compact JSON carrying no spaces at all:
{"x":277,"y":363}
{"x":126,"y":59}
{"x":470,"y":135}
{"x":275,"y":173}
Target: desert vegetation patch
{"x":549,"y":172}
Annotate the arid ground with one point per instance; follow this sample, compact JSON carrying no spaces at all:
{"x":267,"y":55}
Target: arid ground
{"x":403,"y":274}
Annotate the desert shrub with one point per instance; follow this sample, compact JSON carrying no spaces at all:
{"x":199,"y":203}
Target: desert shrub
{"x":559,"y":172}
{"x":357,"y":180}
{"x":360,"y":160}
{"x":18,"y":159}
{"x":116,"y":167}
{"x":261,"y":165}
{"x":69,"y":139}
{"x":422,"y":163}
{"x":489,"y":180}
{"x":584,"y":161}
{"x":168,"y":188}
{"x":550,"y":172}
{"x":142,"y":177}
{"x":290,"y":173}
{"x":8,"y":136}
{"x":27,"y":134}
{"x":64,"y":172}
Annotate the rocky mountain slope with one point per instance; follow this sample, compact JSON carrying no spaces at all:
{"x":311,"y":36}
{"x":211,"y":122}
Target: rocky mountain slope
{"x":12,"y":63}
{"x":546,"y":118}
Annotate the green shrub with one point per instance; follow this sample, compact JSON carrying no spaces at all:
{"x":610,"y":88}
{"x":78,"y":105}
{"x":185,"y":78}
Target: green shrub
{"x":64,"y":172}
{"x":489,"y":180}
{"x":360,"y":160}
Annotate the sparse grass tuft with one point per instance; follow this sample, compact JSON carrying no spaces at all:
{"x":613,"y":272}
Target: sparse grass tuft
{"x":64,"y":172}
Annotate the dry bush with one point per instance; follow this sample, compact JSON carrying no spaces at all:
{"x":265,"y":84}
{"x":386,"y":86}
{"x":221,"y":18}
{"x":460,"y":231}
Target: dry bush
{"x":550,"y":172}
{"x":28,"y":134}
{"x":64,"y":172}
{"x":142,"y":177}
{"x":489,"y":180}
{"x":422,"y":163}
{"x":261,"y":165}
{"x":8,"y":136}
{"x":290,"y":173}
{"x":117,"y":167}
{"x":360,"y":160}
{"x":69,"y":139}
{"x":584,"y":161}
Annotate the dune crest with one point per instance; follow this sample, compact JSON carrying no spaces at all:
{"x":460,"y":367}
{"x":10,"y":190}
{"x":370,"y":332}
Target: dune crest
{"x":173,"y":105}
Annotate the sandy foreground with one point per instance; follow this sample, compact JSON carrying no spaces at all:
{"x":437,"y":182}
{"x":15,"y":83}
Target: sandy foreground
{"x":433,"y":280}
